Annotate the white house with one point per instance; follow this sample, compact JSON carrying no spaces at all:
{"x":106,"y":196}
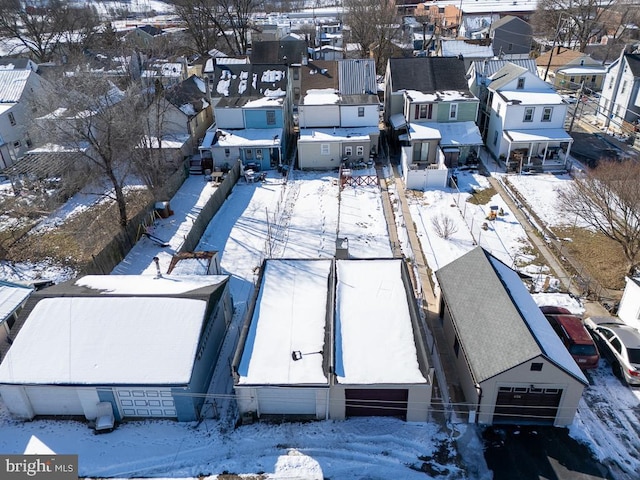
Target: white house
{"x":145,"y":344}
{"x":526,"y":121}
{"x":619,"y":105}
{"x":512,"y":366}
{"x":629,"y":309}
{"x":331,"y":339}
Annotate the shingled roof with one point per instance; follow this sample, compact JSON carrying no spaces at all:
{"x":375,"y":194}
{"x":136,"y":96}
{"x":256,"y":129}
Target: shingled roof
{"x":428,"y":74}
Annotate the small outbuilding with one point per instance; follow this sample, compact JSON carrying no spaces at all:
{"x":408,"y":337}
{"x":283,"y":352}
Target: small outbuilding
{"x":333,"y":339}
{"x":512,"y":366}
{"x":145,"y":344}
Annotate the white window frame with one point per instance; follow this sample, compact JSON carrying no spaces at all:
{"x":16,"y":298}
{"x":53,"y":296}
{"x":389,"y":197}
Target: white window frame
{"x":348,"y":151}
{"x":359,"y":150}
{"x":624,"y":86}
{"x":528,"y":114}
{"x":547,"y":113}
{"x":325,"y":149}
{"x":495,"y":137}
{"x":520,"y":83}
{"x":12,"y":119}
{"x":453,"y":111}
{"x":360,"y":111}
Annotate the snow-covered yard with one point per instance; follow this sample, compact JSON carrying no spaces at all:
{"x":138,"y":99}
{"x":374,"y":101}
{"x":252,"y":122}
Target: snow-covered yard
{"x":301,"y":219}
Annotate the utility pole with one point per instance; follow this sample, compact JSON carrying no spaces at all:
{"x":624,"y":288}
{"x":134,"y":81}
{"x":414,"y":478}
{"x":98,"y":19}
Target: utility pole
{"x":553,"y":46}
{"x":577,"y":104}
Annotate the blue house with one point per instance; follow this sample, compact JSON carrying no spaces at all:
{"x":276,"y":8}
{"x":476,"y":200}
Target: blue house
{"x":252,"y":116}
{"x":145,"y":344}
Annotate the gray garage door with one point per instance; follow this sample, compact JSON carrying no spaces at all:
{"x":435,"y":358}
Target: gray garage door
{"x":146,"y":402}
{"x":523,"y":405}
{"x":376,"y":402}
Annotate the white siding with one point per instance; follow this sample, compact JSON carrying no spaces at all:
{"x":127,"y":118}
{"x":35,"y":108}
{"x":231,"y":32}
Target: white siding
{"x":54,"y":400}
{"x":349,"y":116}
{"x":17,"y":402}
{"x":629,"y":310}
{"x":229,"y":118}
{"x":318,"y":116}
{"x":310,"y":156}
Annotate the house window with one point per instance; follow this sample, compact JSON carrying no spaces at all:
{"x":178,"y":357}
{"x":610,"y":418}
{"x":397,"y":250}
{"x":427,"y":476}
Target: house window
{"x":324,"y":149}
{"x":617,"y":110}
{"x":420,"y":152}
{"x":259,"y":153}
{"x":528,"y":114}
{"x":12,"y":119}
{"x":536,"y":367}
{"x":271,"y":117}
{"x":425,"y":111}
{"x":361,"y":111}
{"x":348,"y":151}
{"x":456,"y":346}
{"x":572,"y":79}
{"x":248,"y":153}
{"x":498,"y":109}
{"x":227,"y":152}
{"x":610,"y":83}
{"x":296,"y":74}
{"x":624,"y":86}
{"x":17,"y":144}
{"x":359,"y":150}
{"x":296,"y":93}
{"x":453,"y":111}
{"x":510,"y":47}
{"x":495,"y":137}
{"x":520,"y":84}
{"x":28,"y":142}
{"x":546,"y":114}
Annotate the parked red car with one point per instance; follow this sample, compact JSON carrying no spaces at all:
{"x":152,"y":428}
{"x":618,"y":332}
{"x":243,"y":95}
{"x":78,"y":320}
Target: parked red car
{"x":574,"y":335}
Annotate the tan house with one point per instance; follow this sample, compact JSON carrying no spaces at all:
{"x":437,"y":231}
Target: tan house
{"x":567,"y":69}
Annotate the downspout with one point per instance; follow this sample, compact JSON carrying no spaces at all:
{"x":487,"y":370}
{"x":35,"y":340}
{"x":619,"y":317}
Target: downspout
{"x":479,"y":390}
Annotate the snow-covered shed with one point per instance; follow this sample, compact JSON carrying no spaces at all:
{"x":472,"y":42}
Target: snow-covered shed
{"x":381,"y":364}
{"x":146,"y":344}
{"x":512,"y":366}
{"x":281,"y":366}
{"x":333,"y":339}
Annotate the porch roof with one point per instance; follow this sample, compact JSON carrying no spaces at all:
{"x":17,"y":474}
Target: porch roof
{"x":420,"y":131}
{"x":249,"y":137}
{"x":538,"y":135}
{"x":459,"y":133}
{"x":397,"y":121}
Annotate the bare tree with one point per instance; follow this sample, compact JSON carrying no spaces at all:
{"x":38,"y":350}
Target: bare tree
{"x":571,"y":22}
{"x":607,"y":199}
{"x":199,"y":18}
{"x":91,"y":116}
{"x":444,"y":226}
{"x":374,"y":25}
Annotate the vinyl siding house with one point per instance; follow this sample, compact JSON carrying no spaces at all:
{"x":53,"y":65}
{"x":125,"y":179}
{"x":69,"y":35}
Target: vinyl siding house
{"x":338,"y":114}
{"x":512,"y":366}
{"x":526,"y":122}
{"x":511,"y":38}
{"x":629,"y":309}
{"x":619,"y":105}
{"x":431,"y":115}
{"x":252,"y":116}
{"x":320,"y":342}
{"x":567,"y":69}
{"x":147,"y":345}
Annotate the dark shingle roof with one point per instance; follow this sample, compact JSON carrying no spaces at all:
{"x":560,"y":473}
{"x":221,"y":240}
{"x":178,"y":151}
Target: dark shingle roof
{"x":428,"y":74}
{"x":190,"y":91}
{"x":633,"y":59}
{"x":248,"y":80}
{"x":280,"y":52}
{"x":495,"y":316}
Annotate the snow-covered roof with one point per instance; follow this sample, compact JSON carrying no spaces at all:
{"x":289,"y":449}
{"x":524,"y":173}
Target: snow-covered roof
{"x":269,"y":137}
{"x":397,"y":121}
{"x":497,"y":321}
{"x":593,"y":70}
{"x":11,"y":297}
{"x":168,"y":141}
{"x":353,"y":134}
{"x":539,"y":135}
{"x":147,"y":284}
{"x":290,"y":315}
{"x":459,"y":133}
{"x":423,"y":131}
{"x":12,"y":84}
{"x":374,"y":334}
{"x":528,"y":97}
{"x":110,"y":340}
{"x":439,"y":96}
{"x":453,"y":48}
{"x":321,"y":96}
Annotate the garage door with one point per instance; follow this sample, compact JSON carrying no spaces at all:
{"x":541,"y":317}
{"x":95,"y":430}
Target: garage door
{"x":527,"y":405}
{"x":287,"y":401}
{"x":376,"y":402}
{"x":54,"y":400}
{"x":146,"y":402}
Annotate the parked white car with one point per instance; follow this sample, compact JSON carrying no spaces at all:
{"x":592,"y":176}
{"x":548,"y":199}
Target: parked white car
{"x":619,"y":343}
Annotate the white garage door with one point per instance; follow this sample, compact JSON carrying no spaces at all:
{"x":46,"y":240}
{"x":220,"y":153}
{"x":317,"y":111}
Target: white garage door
{"x":145,"y":402}
{"x":287,"y":401}
{"x":54,"y":400}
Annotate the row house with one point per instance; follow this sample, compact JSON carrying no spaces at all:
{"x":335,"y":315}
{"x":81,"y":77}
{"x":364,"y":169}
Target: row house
{"x":619,"y":103}
{"x":252,"y":116}
{"x":338,"y":114}
{"x":526,"y":121}
{"x":431,"y":114}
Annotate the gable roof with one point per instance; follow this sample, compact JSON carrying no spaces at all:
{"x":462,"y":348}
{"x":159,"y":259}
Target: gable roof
{"x":357,"y":76}
{"x":277,"y":51}
{"x":517,"y":21}
{"x":633,"y":60}
{"x":319,"y":74}
{"x":239,"y":80}
{"x":12,"y":295}
{"x":12,"y":84}
{"x":560,"y":57}
{"x":489,"y":67}
{"x":428,"y":74}
{"x":506,"y":74}
{"x":151,"y":30}
{"x":497,"y":321}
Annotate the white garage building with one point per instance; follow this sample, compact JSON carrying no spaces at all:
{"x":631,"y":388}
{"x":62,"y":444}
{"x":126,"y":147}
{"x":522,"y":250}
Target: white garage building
{"x":147,"y":345}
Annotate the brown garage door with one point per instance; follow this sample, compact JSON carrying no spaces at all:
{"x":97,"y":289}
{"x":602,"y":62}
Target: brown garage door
{"x":376,"y":402}
{"x":524,"y":405}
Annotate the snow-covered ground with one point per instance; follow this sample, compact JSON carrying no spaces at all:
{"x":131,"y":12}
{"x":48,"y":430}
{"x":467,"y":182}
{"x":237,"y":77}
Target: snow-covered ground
{"x":300,"y":219}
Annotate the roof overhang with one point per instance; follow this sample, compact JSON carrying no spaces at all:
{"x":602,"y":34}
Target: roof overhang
{"x":538,"y":135}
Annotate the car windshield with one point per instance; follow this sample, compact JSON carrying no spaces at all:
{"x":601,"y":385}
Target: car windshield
{"x":583,"y":350}
{"x":634,"y":355}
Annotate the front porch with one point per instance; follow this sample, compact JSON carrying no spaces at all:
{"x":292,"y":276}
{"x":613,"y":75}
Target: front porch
{"x":539,"y":151}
